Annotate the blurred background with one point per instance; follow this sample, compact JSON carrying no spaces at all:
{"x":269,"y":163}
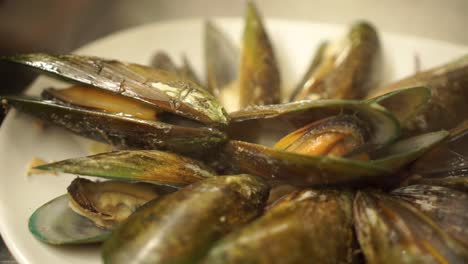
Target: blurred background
{"x":61,"y":26}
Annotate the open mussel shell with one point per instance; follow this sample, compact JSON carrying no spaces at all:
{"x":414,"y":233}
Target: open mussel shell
{"x":56,"y":223}
{"x":155,"y":87}
{"x":446,"y":164}
{"x":318,"y":170}
{"x":273,"y":122}
{"x":343,"y":69}
{"x":259,"y":77}
{"x":222,"y":61}
{"x":392,"y":231}
{"x":182,"y":226}
{"x":307,"y":226}
{"x":109,"y":203}
{"x":137,"y":165}
{"x":446,"y":207}
{"x":447,"y":106}
{"x":121,"y":131}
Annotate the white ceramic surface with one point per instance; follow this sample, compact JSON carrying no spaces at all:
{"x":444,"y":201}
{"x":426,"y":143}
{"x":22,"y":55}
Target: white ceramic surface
{"x":21,"y":138}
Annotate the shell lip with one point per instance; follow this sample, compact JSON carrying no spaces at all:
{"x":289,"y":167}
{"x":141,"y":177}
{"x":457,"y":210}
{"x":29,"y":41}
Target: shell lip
{"x":409,"y":111}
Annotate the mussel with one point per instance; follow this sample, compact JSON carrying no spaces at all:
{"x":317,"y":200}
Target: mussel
{"x":351,"y":146}
{"x":146,"y":107}
{"x":445,"y":206}
{"x":109,"y":203}
{"x":345,"y":69}
{"x":259,"y":78}
{"x":90,"y":210}
{"x":181,"y":227}
{"x":303,"y":227}
{"x":154,"y":166}
{"x":392,"y":231}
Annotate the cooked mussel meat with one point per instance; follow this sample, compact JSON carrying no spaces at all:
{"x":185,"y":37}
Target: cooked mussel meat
{"x":109,"y":203}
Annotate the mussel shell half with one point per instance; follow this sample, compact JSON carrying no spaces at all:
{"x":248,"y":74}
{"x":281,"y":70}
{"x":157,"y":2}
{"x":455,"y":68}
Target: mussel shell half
{"x":156,"y":87}
{"x":125,"y":132}
{"x":55,"y":223}
{"x":221,"y":58}
{"x":136,"y":165}
{"x":259,"y":77}
{"x":405,"y":104}
{"x":406,"y":150}
{"x":449,"y":156}
{"x":448,"y":104}
{"x":271,"y":122}
{"x":392,"y":231}
{"x":182,"y":226}
{"x":449,"y":180}
{"x":447,"y":207}
{"x":446,"y":164}
{"x":343,"y":69}
{"x":306,"y":226}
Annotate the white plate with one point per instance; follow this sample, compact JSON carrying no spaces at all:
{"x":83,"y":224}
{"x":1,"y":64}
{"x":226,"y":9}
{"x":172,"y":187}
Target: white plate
{"x":21,"y":139}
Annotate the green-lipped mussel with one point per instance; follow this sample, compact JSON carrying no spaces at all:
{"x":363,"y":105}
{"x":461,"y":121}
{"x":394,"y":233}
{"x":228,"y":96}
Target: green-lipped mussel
{"x":90,"y":210}
{"x":379,"y":170}
{"x":146,"y":107}
{"x":109,"y":203}
{"x":306,"y":226}
{"x":345,"y":69}
{"x":259,"y":78}
{"x":154,"y":166}
{"x":354,"y":146}
{"x":181,"y":227}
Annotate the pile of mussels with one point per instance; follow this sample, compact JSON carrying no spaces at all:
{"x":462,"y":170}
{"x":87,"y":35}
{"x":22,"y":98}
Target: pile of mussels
{"x":339,"y":172}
